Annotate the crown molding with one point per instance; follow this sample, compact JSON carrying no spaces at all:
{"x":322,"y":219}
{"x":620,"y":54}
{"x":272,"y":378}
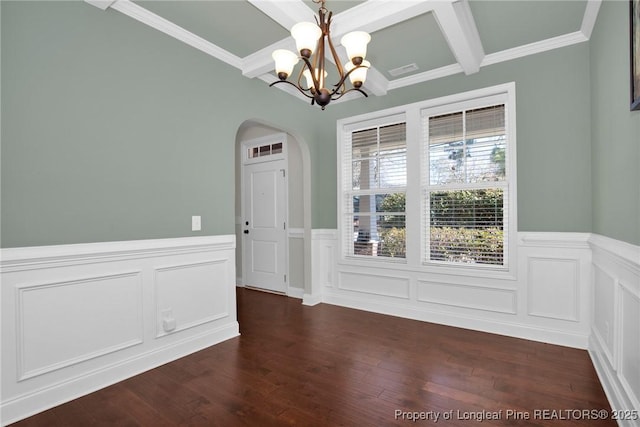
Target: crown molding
{"x":454,"y":18}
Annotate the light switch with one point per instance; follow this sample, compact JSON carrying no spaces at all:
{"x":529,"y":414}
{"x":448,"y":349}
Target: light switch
{"x":196,"y":223}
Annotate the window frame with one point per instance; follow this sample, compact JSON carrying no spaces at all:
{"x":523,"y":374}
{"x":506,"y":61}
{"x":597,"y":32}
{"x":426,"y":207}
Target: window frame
{"x":346,"y":190}
{"x":417,"y":173}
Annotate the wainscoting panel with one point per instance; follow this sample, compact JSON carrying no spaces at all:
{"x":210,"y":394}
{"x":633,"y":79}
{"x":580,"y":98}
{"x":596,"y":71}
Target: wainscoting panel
{"x":547,"y":297}
{"x":554,"y":288}
{"x":189,"y":295}
{"x":63,"y":323}
{"x":323,"y":272}
{"x":604,"y":316}
{"x":615,"y":335}
{"x":474,"y":297}
{"x":76,"y":318}
{"x":397,"y":287}
{"x":630,"y":343}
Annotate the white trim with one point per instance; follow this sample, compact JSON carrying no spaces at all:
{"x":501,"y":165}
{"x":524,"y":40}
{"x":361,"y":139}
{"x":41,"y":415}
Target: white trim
{"x":425,"y":76}
{"x":450,"y":318}
{"x":295,"y":233}
{"x":618,"y":281}
{"x":311,"y":300}
{"x":590,"y":15}
{"x":625,"y":253}
{"x":453,"y":17}
{"x":101,"y":4}
{"x":504,"y":93}
{"x":432,"y":297}
{"x":324,"y":233}
{"x":29,"y":258}
{"x":293,"y":292}
{"x":554,"y":239}
{"x":60,"y":375}
{"x":534,"y":48}
{"x":21,"y":289}
{"x":459,"y":30}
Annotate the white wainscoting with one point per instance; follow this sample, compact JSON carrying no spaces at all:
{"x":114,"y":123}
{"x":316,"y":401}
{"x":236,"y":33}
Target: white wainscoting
{"x":548,"y":300}
{"x":323,"y":264}
{"x":615,"y":333}
{"x":76,"y":318}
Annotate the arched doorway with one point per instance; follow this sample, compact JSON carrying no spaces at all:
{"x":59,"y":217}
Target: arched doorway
{"x":298,"y":228}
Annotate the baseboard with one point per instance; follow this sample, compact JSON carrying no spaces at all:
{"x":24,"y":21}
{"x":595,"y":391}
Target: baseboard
{"x":311,"y":300}
{"x":294,"y":292}
{"x":515,"y":330}
{"x":24,"y":406}
{"x":614,"y":391}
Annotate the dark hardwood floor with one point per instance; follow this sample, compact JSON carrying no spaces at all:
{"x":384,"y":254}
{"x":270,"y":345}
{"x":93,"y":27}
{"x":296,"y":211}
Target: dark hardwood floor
{"x":333,"y":366}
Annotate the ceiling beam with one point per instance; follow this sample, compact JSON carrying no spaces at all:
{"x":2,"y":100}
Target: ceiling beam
{"x":459,"y":29}
{"x":101,"y":4}
{"x":590,"y":15}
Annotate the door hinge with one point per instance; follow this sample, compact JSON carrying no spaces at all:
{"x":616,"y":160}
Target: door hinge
{"x":284,"y":225}
{"x":283,"y":173}
{"x":285,"y":278}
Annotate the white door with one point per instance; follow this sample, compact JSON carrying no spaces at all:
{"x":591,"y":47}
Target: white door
{"x":264,"y":225}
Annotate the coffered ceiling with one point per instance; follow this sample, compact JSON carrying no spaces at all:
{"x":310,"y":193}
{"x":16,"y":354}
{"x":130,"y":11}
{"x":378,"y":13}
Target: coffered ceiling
{"x":413,"y":41}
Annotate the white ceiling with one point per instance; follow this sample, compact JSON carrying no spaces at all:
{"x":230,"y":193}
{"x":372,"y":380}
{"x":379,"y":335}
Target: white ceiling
{"x":441,"y":37}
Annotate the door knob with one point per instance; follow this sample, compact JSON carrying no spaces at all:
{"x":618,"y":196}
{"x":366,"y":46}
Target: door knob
{"x":246,"y":231}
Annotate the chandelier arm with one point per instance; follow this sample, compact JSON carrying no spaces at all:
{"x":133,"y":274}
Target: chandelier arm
{"x":341,"y":94}
{"x":311,"y":68}
{"x":336,"y":59}
{"x":341,"y":84}
{"x":294,"y":85}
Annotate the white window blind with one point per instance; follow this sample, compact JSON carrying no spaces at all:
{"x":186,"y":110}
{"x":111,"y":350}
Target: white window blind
{"x":466,"y":188}
{"x":374,"y":205}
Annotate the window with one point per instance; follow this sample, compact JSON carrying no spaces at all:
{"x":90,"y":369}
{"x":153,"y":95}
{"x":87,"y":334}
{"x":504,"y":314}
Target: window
{"x":466,"y":188}
{"x":374,"y":196}
{"x":264,"y":150}
{"x":432,"y":185}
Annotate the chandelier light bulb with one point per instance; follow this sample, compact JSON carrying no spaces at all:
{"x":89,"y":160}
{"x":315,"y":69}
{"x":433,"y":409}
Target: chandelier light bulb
{"x":359,"y":75}
{"x":285,"y":61}
{"x":306,"y":35}
{"x":356,"y":44}
{"x":307,"y":75}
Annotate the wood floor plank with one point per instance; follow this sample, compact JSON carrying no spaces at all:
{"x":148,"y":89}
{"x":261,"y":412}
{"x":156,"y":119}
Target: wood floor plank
{"x":332,"y":366}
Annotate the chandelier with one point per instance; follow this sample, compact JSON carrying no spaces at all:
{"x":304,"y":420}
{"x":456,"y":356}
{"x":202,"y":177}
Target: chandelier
{"x":311,"y":40}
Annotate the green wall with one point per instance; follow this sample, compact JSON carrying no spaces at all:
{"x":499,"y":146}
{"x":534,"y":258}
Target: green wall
{"x":615,"y":129}
{"x":114,"y":131}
